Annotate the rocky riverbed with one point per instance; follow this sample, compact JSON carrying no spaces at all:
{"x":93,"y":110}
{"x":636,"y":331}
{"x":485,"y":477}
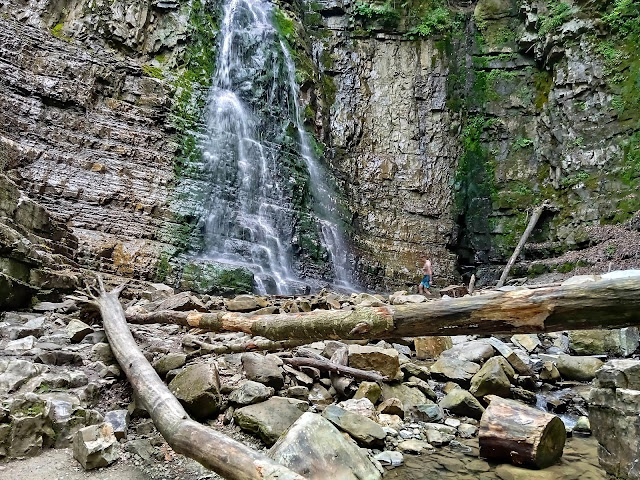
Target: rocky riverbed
{"x":58,"y":376}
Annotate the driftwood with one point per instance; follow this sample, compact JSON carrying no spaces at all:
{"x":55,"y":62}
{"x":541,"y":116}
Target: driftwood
{"x":216,"y":451}
{"x":336,"y":368}
{"x":252,"y":344}
{"x":343,"y":385}
{"x":611,"y":303}
{"x":523,"y":435}
{"x":532,"y":223}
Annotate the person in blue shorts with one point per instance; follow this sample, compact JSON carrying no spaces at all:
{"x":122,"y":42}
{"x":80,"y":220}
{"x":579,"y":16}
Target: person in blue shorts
{"x":425,"y":284}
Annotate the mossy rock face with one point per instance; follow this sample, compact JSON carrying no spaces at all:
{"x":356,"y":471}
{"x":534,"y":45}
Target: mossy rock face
{"x":493,"y":9}
{"x":215,"y":278}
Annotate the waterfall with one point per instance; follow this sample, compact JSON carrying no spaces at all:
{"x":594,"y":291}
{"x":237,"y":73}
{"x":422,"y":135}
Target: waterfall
{"x":253,"y":119}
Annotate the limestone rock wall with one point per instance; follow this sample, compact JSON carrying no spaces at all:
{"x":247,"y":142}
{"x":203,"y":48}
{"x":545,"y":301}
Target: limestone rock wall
{"x":614,"y":410}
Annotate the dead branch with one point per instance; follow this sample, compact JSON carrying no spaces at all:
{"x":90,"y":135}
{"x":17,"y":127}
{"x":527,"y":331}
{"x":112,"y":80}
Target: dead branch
{"x":336,"y":368}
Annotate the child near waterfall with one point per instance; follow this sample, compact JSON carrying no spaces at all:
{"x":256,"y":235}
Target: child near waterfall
{"x":425,"y":284}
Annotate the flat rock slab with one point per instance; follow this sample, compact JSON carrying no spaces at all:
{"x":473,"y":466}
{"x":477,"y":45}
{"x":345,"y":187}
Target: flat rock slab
{"x":383,"y":360}
{"x":366,"y":432}
{"x":456,"y":370}
{"x":431,"y":347}
{"x":270,"y":419}
{"x":578,"y":368}
{"x":315,"y":448}
{"x":476,"y":351}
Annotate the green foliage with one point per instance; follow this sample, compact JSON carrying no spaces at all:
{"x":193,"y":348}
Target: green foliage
{"x":575,"y":179}
{"x":283,"y":24}
{"x":56,"y":31}
{"x":384,"y":14}
{"x":151,"y":71}
{"x":558,"y":13}
{"x":434,"y":22}
{"x":631,"y":168}
{"x":522,"y":142}
{"x":610,"y":250}
{"x":623,"y":17}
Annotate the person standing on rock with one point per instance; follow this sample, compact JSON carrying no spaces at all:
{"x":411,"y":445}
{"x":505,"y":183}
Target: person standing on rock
{"x":425,"y":284}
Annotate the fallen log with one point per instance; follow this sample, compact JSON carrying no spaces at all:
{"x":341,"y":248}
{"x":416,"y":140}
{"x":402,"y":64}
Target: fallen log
{"x":608,"y":303}
{"x":231,"y":459}
{"x":512,"y":431}
{"x":335,"y":368}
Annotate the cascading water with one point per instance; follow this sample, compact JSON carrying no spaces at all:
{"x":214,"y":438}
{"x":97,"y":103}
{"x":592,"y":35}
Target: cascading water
{"x":250,"y":213}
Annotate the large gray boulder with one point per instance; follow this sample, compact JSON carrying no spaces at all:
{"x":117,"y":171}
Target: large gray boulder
{"x":264,"y":369}
{"x":198,"y":389}
{"x":578,"y":368}
{"x":494,"y":378}
{"x":271,"y":418}
{"x":95,"y":446}
{"x":454,"y":369}
{"x":315,"y":448}
{"x":462,"y":403}
{"x":365,"y":431}
{"x":215,"y":278}
{"x":476,"y":351}
{"x":621,"y":342}
{"x":384,"y":360}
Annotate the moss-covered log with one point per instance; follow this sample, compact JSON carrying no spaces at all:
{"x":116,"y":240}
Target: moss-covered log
{"x":611,"y":303}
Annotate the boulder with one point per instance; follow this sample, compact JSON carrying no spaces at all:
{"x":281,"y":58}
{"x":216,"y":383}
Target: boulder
{"x":409,"y":396}
{"x":430,"y":413}
{"x":315,"y":448}
{"x":422,"y":386}
{"x":370,"y":390}
{"x":431,"y":347}
{"x":365,"y":431}
{"x":198,"y":389}
{"x":413,"y":370}
{"x":215,"y":278}
{"x":383,"y":360}
{"x":95,"y":446}
{"x":271,"y":418}
{"x":362,"y":406}
{"x":454,"y":369}
{"x":578,"y":368}
{"x":512,"y":357}
{"x":392,"y":406}
{"x":494,"y":378}
{"x":462,"y":403}
{"x":182,"y":302}
{"x":251,"y":392}
{"x":169,"y":362}
{"x":476,"y":351}
{"x":527,"y":341}
{"x":15,"y":373}
{"x":621,"y":342}
{"x":245,"y":303}
{"x":623,"y":373}
{"x":263,"y":369}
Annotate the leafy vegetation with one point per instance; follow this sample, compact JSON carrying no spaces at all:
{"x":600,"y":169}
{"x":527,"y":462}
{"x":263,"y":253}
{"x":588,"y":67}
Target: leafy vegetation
{"x":436,"y":21}
{"x":151,"y":71}
{"x":385,"y":14}
{"x":558,"y":13}
{"x":56,"y":31}
{"x":522,"y":142}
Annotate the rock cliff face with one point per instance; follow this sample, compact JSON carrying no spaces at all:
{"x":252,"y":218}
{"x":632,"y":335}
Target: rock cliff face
{"x":443,"y":122}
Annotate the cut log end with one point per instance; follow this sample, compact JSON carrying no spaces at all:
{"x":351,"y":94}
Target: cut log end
{"x":520,"y":434}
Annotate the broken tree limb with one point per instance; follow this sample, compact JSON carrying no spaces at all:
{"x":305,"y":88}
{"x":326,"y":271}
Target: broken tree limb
{"x":335,"y":368}
{"x":523,"y":435}
{"x":216,"y":451}
{"x":532,"y":223}
{"x":608,"y":303}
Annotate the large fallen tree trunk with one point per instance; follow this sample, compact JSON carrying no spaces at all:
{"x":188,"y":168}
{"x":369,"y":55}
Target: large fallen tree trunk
{"x":611,"y":303}
{"x":520,"y":434}
{"x":212,"y":449}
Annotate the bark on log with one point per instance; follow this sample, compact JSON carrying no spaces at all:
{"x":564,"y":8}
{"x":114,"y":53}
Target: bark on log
{"x":532,"y":223}
{"x":611,"y":303}
{"x":510,"y":430}
{"x":343,"y":385}
{"x":334,"y":367}
{"x":216,"y":451}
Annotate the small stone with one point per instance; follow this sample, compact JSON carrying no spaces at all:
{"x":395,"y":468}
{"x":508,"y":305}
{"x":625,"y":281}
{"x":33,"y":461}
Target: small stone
{"x":462,"y":403}
{"x":77,"y":330}
{"x":21,"y":345}
{"x":251,"y":392}
{"x":428,"y":413}
{"x":466,"y":430}
{"x":549,"y":372}
{"x":415,"y":446}
{"x":529,"y":341}
{"x":392,"y":406}
{"x":390,"y":421}
{"x":102,"y":352}
{"x":298,"y":391}
{"x":391,"y":458}
{"x":582,"y":426}
{"x":320,"y":396}
{"x":263,"y":369}
{"x":437,"y":438}
{"x":95,"y":446}
{"x":246,"y":303}
{"x":361,"y":406}
{"x":119,"y":420}
{"x":169,"y":362}
{"x":452,"y":422}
